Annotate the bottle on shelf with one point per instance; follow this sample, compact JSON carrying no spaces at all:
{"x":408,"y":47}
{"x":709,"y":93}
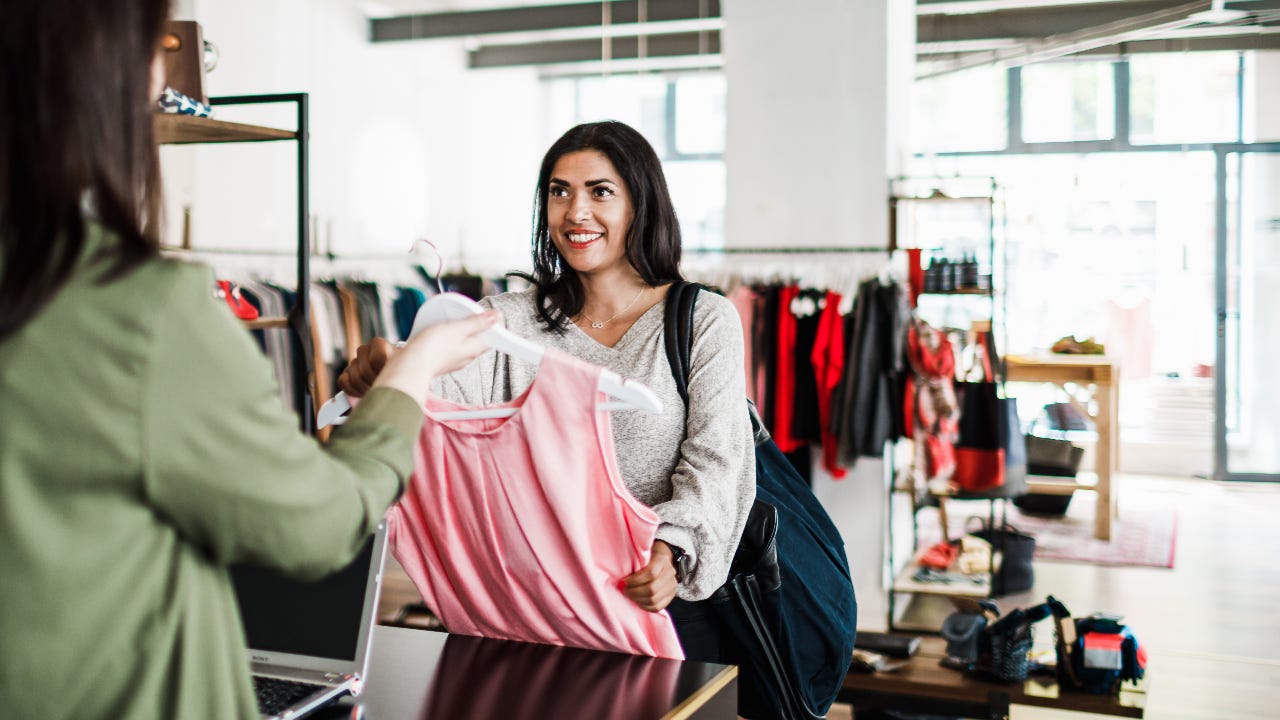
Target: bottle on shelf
{"x":933,"y":274}
{"x":969,"y":272}
{"x":949,"y":276}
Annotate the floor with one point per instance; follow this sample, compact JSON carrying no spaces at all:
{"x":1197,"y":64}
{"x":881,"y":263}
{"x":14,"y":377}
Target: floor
{"x":1211,"y":625}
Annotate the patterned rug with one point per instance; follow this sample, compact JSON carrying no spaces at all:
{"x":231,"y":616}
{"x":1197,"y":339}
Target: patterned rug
{"x":1143,"y":536}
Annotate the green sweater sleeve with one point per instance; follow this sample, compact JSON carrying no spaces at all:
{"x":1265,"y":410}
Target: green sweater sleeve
{"x":225,"y":464}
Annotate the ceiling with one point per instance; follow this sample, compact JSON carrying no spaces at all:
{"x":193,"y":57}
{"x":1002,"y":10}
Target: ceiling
{"x":951,"y":34}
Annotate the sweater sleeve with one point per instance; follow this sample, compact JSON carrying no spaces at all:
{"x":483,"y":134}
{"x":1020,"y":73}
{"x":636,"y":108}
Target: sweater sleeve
{"x":225,"y":464}
{"x":714,"y":482}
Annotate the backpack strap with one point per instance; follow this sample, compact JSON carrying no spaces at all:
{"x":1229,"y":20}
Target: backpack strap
{"x":678,"y":332}
{"x":677,"y":335}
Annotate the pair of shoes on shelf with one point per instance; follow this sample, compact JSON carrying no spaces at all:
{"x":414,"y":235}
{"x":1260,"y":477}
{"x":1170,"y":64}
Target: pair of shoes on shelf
{"x":1069,"y":345}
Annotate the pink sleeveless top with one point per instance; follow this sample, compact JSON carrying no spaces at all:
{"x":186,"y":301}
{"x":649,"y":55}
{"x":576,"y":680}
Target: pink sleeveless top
{"x":520,"y":528}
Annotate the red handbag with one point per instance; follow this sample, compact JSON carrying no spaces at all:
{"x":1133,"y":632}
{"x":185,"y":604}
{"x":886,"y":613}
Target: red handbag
{"x":978,"y":470}
{"x":990,"y":448}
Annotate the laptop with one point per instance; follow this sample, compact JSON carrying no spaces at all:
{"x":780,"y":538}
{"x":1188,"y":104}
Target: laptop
{"x":309,"y":642}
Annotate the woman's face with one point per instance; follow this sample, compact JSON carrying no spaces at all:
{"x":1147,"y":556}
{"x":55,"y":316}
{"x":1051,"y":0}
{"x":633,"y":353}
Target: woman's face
{"x":589,"y":212}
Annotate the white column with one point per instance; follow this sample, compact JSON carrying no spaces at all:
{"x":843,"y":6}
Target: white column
{"x":817,"y":114}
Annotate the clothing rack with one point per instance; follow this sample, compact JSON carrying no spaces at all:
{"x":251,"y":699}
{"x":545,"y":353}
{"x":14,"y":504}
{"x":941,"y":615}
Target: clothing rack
{"x":402,"y":257}
{"x":797,"y":250}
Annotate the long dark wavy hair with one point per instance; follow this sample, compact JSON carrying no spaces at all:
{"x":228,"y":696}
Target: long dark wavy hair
{"x":653,"y":240}
{"x":76,"y":142}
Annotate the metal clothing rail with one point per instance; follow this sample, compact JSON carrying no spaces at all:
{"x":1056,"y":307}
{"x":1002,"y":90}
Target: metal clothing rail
{"x":799,"y":250}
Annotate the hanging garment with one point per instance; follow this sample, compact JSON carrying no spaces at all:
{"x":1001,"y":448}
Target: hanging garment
{"x":806,"y":426}
{"x":867,"y":410}
{"x":931,"y":403}
{"x":783,"y":400}
{"x":520,"y":528}
{"x":828,"y":366}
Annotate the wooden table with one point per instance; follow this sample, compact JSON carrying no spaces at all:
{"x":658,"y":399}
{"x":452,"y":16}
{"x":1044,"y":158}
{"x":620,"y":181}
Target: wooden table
{"x":1085,"y":370}
{"x":428,"y":675}
{"x":924,"y":686}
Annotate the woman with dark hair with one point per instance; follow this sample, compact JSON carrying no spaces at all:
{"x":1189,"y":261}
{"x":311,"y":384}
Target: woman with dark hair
{"x":606,"y":246}
{"x":144,"y":447}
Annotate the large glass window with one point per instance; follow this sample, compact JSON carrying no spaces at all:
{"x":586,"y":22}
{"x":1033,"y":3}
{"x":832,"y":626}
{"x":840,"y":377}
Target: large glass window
{"x":1183,"y":97}
{"x":1068,"y":101}
{"x":699,"y":110}
{"x":637,"y":100}
{"x":961,"y":111}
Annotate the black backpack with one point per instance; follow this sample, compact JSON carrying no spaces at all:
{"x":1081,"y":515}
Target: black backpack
{"x":789,"y":599}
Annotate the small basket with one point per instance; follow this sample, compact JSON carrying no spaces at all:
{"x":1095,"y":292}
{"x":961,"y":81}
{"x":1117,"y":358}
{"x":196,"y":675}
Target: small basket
{"x":1009,"y":661}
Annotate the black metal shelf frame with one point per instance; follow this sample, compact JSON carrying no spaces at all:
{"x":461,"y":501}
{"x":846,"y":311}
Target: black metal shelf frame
{"x":299,"y":314}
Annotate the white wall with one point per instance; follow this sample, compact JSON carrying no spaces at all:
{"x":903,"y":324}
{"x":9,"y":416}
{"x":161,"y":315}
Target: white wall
{"x":817,"y":104}
{"x":405,"y":142}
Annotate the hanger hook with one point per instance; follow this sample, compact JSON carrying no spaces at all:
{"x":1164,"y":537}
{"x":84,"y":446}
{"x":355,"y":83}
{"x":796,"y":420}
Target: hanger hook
{"x":439,"y":259}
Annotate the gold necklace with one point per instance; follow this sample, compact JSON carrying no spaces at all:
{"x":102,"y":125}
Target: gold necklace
{"x":601,"y":324}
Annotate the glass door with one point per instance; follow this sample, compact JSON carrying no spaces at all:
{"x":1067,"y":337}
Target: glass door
{"x":1247,"y":288}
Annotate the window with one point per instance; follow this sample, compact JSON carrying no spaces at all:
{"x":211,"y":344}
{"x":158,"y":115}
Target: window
{"x":699,"y":109}
{"x":637,"y":100}
{"x":1069,"y":101}
{"x":682,"y":116}
{"x":974,"y":104}
{"x":1183,"y":97}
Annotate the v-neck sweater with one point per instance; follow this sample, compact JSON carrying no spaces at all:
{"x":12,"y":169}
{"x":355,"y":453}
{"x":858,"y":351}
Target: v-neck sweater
{"x":695,"y":469}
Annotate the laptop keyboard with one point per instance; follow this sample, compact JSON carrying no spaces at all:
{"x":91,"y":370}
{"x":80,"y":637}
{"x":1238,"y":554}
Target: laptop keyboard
{"x":275,"y":695}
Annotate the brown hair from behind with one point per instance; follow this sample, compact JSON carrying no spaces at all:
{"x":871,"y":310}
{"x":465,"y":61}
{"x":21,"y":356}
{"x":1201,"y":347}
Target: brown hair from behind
{"x":77,"y":142}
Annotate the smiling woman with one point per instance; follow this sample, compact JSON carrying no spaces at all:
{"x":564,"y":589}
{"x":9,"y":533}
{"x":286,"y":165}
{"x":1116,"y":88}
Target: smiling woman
{"x":601,"y":179}
{"x":606,"y":246}
{"x":589,"y":213}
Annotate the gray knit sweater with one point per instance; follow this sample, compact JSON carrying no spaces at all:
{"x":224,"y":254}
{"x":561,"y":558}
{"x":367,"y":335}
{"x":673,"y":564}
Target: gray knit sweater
{"x":697,"y":474}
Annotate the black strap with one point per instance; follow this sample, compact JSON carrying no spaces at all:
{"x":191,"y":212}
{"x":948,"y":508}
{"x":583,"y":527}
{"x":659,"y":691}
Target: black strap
{"x":678,"y":333}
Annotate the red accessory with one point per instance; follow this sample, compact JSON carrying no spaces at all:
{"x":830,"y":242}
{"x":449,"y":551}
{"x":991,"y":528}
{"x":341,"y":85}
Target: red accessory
{"x":930,"y":400}
{"x":939,"y":556}
{"x":231,"y":294}
{"x":915,"y":275}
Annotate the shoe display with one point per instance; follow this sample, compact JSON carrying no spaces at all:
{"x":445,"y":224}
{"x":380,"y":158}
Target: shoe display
{"x":1069,"y":345}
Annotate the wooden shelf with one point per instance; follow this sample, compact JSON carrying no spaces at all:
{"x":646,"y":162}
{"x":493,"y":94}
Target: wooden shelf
{"x":964,"y":291}
{"x":905,"y":582}
{"x":983,"y":199}
{"x":186,"y":129}
{"x":266,"y":323}
{"x":1051,"y":485}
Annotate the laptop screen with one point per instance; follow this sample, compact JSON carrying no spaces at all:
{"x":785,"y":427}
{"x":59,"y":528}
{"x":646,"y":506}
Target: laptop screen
{"x":319,"y":619}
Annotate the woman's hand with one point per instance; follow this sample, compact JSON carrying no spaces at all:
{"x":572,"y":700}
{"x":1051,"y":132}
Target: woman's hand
{"x":361,"y":372}
{"x":436,"y":350}
{"x":653,"y":586}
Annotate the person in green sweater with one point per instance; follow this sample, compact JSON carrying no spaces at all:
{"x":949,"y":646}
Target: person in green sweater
{"x":143,"y":446}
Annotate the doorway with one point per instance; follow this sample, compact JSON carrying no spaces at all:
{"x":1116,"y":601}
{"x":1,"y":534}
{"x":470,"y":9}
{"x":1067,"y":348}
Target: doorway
{"x":1247,"y":290}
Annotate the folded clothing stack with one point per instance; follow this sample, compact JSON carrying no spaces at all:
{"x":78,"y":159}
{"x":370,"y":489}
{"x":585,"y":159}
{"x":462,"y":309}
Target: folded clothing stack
{"x":175,"y":103}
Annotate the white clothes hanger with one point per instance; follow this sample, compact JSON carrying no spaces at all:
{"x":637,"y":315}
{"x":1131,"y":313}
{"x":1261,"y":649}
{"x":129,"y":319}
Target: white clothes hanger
{"x":629,"y":394}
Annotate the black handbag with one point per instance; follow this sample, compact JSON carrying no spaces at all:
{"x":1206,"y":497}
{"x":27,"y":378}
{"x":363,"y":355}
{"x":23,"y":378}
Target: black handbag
{"x":789,"y":599}
{"x":1016,"y":549}
{"x":991,"y":452}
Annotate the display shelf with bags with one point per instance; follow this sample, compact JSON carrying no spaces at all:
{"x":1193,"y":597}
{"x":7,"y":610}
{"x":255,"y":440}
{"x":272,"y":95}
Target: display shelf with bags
{"x":951,"y":230}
